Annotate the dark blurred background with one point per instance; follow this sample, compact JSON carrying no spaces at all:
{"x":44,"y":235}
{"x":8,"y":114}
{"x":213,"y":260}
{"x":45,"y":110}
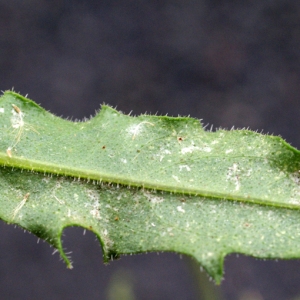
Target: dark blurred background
{"x":226,"y":62}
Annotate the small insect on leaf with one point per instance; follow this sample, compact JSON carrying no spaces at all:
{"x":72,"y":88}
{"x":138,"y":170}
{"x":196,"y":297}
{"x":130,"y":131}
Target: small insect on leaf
{"x":16,"y":108}
{"x":8,"y":152}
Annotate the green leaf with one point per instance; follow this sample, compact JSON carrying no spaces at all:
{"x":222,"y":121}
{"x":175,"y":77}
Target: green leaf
{"x":149,"y":183}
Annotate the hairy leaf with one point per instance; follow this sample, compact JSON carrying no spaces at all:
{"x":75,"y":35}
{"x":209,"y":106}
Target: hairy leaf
{"x":149,"y":183}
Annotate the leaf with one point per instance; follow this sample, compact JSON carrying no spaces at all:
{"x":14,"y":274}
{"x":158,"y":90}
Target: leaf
{"x":149,"y":183}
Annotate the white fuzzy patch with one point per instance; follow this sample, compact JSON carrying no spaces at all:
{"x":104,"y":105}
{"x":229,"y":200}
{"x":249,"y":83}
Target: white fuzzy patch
{"x":193,"y":148}
{"x":186,"y":167}
{"x":136,"y":129}
{"x":180,"y":209}
{"x":162,"y":153}
{"x":233,"y":175}
{"x":153,"y":199}
{"x":189,"y":149}
{"x":176,"y":178}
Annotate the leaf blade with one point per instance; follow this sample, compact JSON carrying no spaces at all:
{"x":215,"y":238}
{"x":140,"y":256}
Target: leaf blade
{"x":195,"y":174}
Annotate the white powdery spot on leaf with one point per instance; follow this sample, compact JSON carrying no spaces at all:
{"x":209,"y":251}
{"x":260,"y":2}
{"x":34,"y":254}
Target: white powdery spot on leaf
{"x":46,"y":179}
{"x":176,"y":178}
{"x":153,"y":199}
{"x":162,"y":153}
{"x":295,"y":192}
{"x":248,"y":172}
{"x":95,"y":212}
{"x":233,"y":175}
{"x":228,"y":151}
{"x":106,"y":240}
{"x":124,"y":161}
{"x":193,"y":148}
{"x":206,"y":149}
{"x":1,"y":110}
{"x":136,"y":129}
{"x":189,"y":149}
{"x":180,"y":209}
{"x":295,"y":178}
{"x":186,"y":167}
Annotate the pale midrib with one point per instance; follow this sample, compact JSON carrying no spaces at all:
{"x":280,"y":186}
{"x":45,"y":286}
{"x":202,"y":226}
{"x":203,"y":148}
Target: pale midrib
{"x":90,"y":175}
